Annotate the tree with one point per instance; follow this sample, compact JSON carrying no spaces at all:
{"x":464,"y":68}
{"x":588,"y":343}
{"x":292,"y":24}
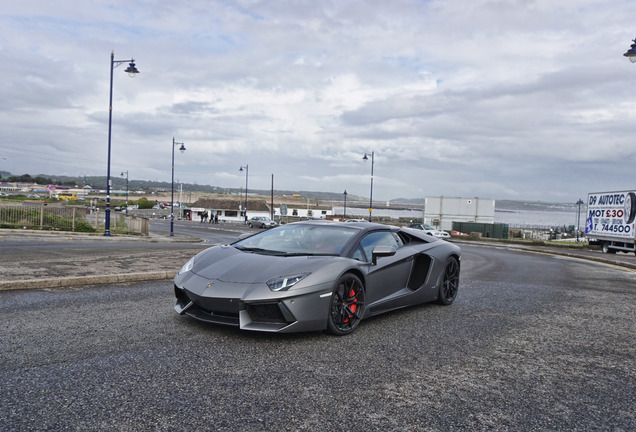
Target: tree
{"x":43,"y":180}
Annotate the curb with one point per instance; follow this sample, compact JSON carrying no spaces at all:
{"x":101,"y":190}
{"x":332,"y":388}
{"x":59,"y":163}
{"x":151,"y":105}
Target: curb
{"x":155,"y":237}
{"x":546,"y":250}
{"x":85,"y":280}
{"x":601,"y":260}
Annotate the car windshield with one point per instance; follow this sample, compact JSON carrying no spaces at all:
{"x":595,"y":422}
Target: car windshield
{"x":299,"y":239}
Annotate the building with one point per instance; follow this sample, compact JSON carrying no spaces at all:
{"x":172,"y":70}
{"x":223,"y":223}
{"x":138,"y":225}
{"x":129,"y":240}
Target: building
{"x":441,"y":212}
{"x":292,"y":212}
{"x":227,"y":210}
{"x":231,"y":210}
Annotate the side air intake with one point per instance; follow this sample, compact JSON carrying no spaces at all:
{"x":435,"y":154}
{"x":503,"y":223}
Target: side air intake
{"x":420,"y":271}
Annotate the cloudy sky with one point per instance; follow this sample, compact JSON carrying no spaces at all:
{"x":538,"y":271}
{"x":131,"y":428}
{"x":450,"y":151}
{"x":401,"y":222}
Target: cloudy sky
{"x":504,"y":99}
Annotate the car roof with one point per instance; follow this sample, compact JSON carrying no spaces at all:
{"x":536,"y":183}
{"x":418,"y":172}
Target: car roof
{"x":362,"y":226}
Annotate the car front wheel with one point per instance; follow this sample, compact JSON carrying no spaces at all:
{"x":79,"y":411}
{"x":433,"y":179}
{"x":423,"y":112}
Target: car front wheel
{"x":450,"y":282}
{"x":347,"y":305}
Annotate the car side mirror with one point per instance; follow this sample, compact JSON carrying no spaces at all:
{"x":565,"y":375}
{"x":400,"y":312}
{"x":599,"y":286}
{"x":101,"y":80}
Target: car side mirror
{"x":381,"y":251}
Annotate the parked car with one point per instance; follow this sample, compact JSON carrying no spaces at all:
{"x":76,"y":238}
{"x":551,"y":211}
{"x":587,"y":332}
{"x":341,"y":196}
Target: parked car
{"x":317,"y":275}
{"x":261,"y":222}
{"x":356,"y":220}
{"x":431,"y":230}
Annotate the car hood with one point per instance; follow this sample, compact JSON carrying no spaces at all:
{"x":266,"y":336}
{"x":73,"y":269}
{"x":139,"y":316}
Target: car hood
{"x":228,"y":264}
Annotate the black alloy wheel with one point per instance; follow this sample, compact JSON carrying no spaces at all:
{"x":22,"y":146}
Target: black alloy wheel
{"x":347,"y":305}
{"x":450,"y":282}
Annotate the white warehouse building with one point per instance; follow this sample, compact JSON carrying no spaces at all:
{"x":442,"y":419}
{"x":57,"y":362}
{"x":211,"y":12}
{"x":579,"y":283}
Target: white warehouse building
{"x":441,"y":212}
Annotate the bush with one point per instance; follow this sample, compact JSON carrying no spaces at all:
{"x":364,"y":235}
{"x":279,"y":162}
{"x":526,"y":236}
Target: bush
{"x":82,"y":226}
{"x":143,"y":203}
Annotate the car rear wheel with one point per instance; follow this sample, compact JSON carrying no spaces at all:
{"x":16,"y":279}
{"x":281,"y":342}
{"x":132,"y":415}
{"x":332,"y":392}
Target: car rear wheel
{"x":450,"y":282}
{"x":347,"y":305}
{"x":606,"y":248}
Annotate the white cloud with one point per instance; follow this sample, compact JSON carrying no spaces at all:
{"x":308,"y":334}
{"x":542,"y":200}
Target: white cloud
{"x":477,"y":98}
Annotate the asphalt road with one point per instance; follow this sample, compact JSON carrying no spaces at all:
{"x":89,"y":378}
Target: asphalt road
{"x":209,"y":233}
{"x":533,"y":342}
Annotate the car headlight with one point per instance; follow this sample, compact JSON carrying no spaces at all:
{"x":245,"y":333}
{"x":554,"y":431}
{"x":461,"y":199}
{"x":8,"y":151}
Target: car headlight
{"x":283,"y":283}
{"x":187,"y":267}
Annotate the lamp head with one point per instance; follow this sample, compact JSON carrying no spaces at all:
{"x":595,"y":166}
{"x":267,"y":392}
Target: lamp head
{"x":132,"y":70}
{"x":182,"y":148}
{"x":365,"y":157}
{"x":631,"y":52}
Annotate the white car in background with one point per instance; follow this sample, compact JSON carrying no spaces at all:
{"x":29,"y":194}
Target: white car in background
{"x":261,"y":222}
{"x":430,"y":230}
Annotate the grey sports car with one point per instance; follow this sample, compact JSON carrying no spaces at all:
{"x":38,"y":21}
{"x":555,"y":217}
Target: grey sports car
{"x":317,"y":275}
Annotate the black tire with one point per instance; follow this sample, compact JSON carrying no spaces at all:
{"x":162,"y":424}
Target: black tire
{"x":450,"y":282}
{"x":630,"y":208}
{"x":347,"y":305}
{"x":606,"y":249}
{"x":250,"y":225}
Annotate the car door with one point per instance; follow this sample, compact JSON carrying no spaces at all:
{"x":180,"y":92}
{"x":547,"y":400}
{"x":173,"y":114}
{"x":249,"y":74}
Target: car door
{"x":390,"y":274}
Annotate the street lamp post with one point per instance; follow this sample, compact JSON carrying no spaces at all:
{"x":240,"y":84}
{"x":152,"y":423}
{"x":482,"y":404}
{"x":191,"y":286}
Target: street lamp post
{"x":181,"y":149}
{"x":578,"y":223}
{"x":631,"y":52}
{"x":371,"y":195}
{"x":132,"y":71}
{"x":83,"y":188}
{"x":122,"y":174}
{"x":246,"y":172}
{"x":344,"y":216}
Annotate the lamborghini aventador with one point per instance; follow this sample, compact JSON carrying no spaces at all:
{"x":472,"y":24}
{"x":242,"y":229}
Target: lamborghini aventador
{"x":317,"y":275}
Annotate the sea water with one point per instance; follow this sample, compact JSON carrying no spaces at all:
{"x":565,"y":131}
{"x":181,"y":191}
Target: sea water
{"x":514,"y":218}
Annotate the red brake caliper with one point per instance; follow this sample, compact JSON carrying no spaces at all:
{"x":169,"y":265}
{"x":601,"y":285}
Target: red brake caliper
{"x":353,"y":307}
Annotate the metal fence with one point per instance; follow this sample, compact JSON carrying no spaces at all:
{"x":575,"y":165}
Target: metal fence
{"x":65,"y":218}
{"x":42,"y":216}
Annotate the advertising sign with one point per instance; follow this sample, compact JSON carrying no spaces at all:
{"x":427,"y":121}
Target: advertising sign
{"x":611,"y":214}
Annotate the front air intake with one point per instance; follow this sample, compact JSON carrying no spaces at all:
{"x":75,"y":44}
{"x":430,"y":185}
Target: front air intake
{"x":265,"y":313}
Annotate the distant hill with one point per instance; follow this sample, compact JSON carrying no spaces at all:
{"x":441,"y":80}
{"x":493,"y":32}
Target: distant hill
{"x":119,"y":182}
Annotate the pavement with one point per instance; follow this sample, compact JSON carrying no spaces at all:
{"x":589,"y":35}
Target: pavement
{"x":27,"y":266}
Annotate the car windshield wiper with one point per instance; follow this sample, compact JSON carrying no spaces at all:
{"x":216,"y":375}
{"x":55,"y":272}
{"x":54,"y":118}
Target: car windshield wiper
{"x":283,"y":253}
{"x":309,"y":254}
{"x":259,"y":250}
